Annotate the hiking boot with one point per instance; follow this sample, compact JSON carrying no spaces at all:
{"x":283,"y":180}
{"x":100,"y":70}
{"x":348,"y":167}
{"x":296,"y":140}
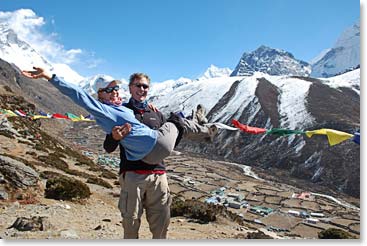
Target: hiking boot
{"x":199,"y":115}
{"x":179,"y":123}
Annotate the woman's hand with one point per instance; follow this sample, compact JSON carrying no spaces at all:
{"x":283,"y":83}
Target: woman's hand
{"x":120,"y":132}
{"x":37,"y":73}
{"x":152,"y":107}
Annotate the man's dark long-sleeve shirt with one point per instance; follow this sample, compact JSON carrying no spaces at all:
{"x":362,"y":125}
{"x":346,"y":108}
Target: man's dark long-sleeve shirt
{"x":150,"y":118}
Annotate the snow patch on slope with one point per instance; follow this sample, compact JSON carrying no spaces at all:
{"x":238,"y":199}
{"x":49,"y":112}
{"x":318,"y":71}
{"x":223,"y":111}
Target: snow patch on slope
{"x":292,"y":108}
{"x":243,"y":96}
{"x":350,"y":79}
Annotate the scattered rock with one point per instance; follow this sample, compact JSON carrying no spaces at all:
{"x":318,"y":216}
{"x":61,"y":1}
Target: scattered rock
{"x":3,"y":195}
{"x":99,"y":227}
{"x":257,"y":235}
{"x":2,"y":179}
{"x":65,"y":206}
{"x":69,"y":234}
{"x":35,"y":223}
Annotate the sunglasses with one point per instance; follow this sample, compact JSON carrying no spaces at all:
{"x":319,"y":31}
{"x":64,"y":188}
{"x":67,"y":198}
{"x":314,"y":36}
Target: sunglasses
{"x":110,"y":89}
{"x":145,"y":86}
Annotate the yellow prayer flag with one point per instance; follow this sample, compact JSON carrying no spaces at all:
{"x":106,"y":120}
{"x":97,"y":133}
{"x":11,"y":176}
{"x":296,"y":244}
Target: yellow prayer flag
{"x":34,"y":117}
{"x":10,"y":113}
{"x":334,"y":136}
{"x":82,"y":118}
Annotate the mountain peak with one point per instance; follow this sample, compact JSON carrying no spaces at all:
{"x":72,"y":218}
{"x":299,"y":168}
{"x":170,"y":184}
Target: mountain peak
{"x":19,"y":52}
{"x":344,"y":55}
{"x":271,"y":61}
{"x":215,"y":72}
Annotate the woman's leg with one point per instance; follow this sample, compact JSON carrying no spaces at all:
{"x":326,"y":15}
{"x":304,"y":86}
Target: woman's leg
{"x":167,"y":135}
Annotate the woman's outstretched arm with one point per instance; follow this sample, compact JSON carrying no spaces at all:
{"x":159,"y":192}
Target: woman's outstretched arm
{"x":101,"y":112}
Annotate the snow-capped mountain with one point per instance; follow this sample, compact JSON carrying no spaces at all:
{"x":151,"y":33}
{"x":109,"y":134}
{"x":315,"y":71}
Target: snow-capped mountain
{"x":215,"y":72}
{"x":21,"y":54}
{"x":271,"y":61}
{"x":187,"y":94}
{"x":289,"y":102}
{"x":345,"y":54}
{"x":158,"y":90}
{"x":293,"y":92}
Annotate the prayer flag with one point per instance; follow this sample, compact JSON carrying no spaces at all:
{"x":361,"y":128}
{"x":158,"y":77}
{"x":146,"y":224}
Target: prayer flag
{"x":356,"y":138}
{"x":283,"y":132}
{"x":60,"y":116}
{"x":35,"y":117}
{"x":248,"y":129}
{"x":334,"y":136}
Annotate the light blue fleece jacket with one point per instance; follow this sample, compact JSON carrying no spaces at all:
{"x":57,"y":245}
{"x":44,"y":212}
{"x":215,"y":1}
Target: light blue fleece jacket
{"x":138,"y":143}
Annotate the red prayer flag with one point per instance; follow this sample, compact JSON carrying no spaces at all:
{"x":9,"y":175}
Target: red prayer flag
{"x":59,"y":116}
{"x":22,"y":111}
{"x":248,"y":129}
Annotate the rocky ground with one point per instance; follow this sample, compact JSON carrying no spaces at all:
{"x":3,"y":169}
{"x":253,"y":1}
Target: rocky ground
{"x":191,"y":177}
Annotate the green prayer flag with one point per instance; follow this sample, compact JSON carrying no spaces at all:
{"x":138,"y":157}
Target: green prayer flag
{"x":283,"y":132}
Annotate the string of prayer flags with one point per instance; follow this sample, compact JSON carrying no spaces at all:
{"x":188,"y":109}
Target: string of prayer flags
{"x":334,"y":136}
{"x":43,"y":115}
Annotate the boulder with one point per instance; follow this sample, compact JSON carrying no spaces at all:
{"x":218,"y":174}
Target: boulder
{"x":17,"y":174}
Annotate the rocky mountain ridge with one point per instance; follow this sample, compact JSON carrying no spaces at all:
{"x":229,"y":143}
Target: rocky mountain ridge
{"x":271,"y":61}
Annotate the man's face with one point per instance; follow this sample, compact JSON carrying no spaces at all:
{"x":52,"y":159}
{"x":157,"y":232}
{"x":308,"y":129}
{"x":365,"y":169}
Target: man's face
{"x":139,"y":89}
{"x":110,"y":94}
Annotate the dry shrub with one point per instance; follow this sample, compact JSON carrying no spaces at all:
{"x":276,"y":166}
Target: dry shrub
{"x":66,"y":188}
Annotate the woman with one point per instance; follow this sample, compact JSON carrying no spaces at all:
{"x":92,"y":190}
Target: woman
{"x":142,"y":143}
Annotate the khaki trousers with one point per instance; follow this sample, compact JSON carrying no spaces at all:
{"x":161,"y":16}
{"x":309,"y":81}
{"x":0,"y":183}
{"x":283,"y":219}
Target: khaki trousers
{"x":149,"y":192}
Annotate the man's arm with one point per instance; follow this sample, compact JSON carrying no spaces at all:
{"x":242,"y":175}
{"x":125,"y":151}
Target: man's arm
{"x":110,"y":144}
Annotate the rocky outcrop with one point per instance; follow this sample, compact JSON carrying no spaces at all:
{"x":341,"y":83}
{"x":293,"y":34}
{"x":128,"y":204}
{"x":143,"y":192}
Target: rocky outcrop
{"x":17,"y":173}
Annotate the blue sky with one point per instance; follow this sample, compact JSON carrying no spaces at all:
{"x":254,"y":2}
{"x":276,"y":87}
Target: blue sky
{"x":168,"y":39}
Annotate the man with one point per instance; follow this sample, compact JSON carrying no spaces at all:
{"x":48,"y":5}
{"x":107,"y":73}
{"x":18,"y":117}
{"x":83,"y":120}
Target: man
{"x":143,"y":186}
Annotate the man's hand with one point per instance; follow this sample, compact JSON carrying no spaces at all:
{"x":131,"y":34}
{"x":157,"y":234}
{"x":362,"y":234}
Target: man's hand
{"x":37,"y":73}
{"x":120,"y":132}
